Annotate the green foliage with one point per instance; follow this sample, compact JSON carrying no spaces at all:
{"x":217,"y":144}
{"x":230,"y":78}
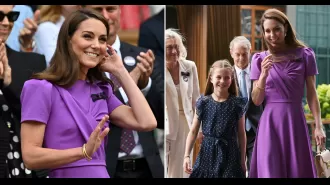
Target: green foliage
{"x":323,"y":93}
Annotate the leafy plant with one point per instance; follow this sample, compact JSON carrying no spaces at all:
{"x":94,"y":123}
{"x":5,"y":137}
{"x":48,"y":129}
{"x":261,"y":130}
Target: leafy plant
{"x":323,"y":93}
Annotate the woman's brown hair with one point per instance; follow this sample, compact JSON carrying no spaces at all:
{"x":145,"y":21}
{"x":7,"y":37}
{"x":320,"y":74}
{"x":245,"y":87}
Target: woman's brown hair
{"x":64,"y":68}
{"x":290,"y":38}
{"x":221,"y":64}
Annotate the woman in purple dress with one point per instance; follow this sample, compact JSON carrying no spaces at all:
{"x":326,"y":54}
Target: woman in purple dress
{"x":65,"y":109}
{"x":282,"y":147}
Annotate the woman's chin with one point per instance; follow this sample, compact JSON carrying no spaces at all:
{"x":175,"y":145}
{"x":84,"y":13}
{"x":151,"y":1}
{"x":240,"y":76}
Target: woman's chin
{"x":90,"y":64}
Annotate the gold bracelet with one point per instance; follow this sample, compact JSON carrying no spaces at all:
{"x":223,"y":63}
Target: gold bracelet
{"x":85,"y":153}
{"x":187,"y":156}
{"x":259,"y":87}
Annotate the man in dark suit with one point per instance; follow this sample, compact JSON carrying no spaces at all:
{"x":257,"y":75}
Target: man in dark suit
{"x":142,"y":160}
{"x":16,"y":68}
{"x":240,"y":50}
{"x":151,"y":36}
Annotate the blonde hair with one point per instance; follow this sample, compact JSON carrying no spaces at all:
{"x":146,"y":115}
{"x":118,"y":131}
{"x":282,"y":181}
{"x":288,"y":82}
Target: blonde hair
{"x":242,"y":40}
{"x":178,"y":37}
{"x":221,"y":64}
{"x":51,"y":13}
{"x":290,"y":38}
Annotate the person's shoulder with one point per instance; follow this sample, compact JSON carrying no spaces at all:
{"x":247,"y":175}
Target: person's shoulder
{"x":36,"y":83}
{"x":240,"y":101}
{"x":189,"y":63}
{"x":307,"y":51}
{"x":258,"y":55}
{"x":31,"y":57}
{"x":26,"y":55}
{"x":150,"y":21}
{"x":132,"y":47}
{"x":46,"y":26}
{"x":204,"y":99}
{"x":147,"y":22}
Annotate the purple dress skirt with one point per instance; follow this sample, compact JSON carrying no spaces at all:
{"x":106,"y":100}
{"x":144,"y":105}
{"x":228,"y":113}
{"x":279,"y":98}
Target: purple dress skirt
{"x":70,"y":115}
{"x":282,"y":147}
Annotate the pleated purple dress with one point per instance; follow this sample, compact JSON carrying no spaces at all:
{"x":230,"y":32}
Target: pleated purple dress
{"x":282,"y":148}
{"x":70,"y":115}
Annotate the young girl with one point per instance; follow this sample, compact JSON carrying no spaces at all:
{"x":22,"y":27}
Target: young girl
{"x":220,"y":111}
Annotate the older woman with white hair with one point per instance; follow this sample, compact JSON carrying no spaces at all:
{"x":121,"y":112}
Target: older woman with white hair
{"x":182,"y":91}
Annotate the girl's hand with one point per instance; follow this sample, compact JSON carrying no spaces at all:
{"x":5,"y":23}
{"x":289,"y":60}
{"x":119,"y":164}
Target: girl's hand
{"x":244,"y":167}
{"x":186,"y":165}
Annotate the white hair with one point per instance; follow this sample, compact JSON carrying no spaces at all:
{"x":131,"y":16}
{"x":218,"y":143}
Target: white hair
{"x":171,"y":33}
{"x":241,"y":40}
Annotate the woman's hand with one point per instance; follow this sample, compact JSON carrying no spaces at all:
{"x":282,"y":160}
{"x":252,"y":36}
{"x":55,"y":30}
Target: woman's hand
{"x":96,"y":138}
{"x":266,"y":64}
{"x":320,"y":137}
{"x":112,"y":63}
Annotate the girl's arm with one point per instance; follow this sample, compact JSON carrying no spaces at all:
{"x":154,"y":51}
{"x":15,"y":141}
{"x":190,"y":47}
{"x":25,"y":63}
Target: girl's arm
{"x":191,"y":138}
{"x":242,"y":138}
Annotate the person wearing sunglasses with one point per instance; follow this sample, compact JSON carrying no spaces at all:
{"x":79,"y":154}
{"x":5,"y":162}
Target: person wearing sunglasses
{"x":15,"y":69}
{"x":25,"y":12}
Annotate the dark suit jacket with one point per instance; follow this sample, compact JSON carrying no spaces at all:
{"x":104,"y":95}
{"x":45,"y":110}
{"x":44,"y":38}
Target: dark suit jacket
{"x":253,"y":112}
{"x":23,"y":65}
{"x":147,"y":139}
{"x":151,"y":36}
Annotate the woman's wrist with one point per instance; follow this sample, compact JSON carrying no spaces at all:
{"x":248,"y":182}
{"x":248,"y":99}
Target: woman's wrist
{"x":318,"y":127}
{"x":119,"y":72}
{"x":84,"y":153}
{"x":318,"y":123}
{"x":259,"y":87}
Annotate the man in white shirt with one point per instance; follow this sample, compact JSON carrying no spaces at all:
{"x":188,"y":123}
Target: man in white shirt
{"x":141,"y":158}
{"x":240,"y":50}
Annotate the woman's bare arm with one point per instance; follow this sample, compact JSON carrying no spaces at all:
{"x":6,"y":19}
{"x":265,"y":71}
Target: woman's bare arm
{"x":37,"y":157}
{"x":138,"y":116}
